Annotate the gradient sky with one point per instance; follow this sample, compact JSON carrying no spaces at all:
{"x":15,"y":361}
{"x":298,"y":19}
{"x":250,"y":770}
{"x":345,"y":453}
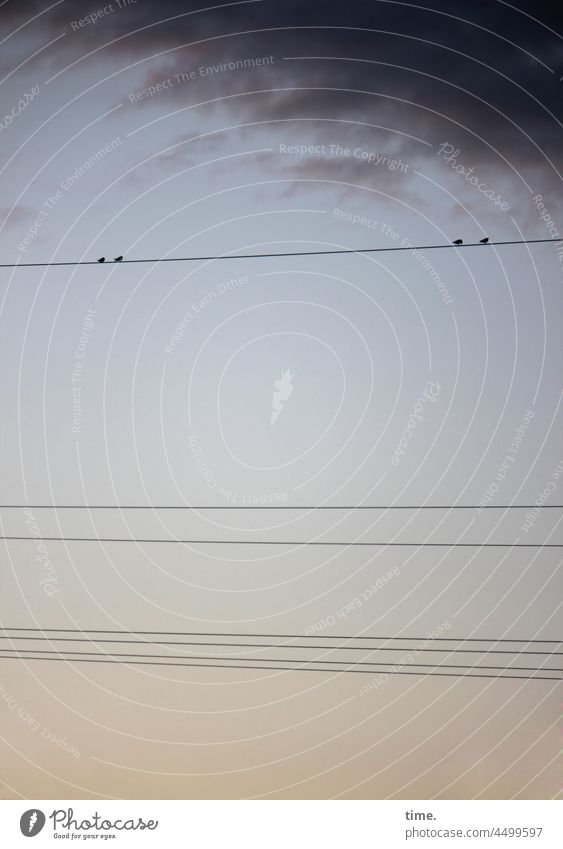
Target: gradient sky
{"x":346,"y":134}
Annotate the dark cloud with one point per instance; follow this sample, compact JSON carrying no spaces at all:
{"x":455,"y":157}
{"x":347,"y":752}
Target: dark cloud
{"x":483,"y":75}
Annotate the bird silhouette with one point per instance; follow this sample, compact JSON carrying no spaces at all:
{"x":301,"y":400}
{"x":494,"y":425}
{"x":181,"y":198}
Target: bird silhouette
{"x":458,"y":242}
{"x":102,"y":259}
{"x":118,"y":259}
{"x":484,"y":241}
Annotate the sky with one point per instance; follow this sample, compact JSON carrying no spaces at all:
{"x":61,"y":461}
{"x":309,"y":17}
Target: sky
{"x":414,"y":378}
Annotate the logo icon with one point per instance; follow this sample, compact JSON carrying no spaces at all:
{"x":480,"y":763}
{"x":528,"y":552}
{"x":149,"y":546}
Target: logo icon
{"x":283,"y":389}
{"x":32,"y":822}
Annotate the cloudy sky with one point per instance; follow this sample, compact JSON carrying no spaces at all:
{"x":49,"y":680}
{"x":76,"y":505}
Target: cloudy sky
{"x":167,"y":130}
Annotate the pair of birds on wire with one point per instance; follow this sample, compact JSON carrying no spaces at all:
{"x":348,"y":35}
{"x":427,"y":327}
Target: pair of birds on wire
{"x":458,"y":242}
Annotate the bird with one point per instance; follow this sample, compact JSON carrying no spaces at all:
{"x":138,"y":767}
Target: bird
{"x":118,"y":259}
{"x":458,"y":242}
{"x":102,"y":259}
{"x":484,"y":241}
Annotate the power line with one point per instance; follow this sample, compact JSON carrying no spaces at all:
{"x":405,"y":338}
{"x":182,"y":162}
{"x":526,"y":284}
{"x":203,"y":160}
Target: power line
{"x":370,"y":649}
{"x":279,"y":507}
{"x":284,"y":668}
{"x":280,"y":636}
{"x":350,"y":665}
{"x":292,"y":542}
{"x":274,"y":255}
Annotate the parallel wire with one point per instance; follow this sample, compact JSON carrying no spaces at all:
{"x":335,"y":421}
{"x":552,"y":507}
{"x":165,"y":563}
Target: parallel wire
{"x":290,"y":542}
{"x":371,"y":649}
{"x":124,"y":632}
{"x":286,"y":668}
{"x":350,"y":664}
{"x":280,"y":507}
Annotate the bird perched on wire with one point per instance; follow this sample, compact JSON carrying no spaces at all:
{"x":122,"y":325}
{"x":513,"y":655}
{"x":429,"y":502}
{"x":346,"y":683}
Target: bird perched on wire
{"x":102,"y":259}
{"x":458,"y":242}
{"x":118,"y":259}
{"x":484,"y":241}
